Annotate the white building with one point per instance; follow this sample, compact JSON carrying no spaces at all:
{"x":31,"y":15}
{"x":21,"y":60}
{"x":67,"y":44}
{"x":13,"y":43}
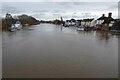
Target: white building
{"x":88,"y":22}
{"x":8,"y":16}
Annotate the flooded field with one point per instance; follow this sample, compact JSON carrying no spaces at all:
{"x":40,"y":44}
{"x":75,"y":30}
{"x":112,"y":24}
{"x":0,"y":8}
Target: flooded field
{"x":50,"y":51}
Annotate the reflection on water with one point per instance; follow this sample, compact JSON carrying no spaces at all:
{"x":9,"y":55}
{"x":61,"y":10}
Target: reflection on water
{"x":52,"y":51}
{"x":101,"y":35}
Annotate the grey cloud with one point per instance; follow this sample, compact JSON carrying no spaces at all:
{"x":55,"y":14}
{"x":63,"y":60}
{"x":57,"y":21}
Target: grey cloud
{"x":40,"y":11}
{"x":74,"y":13}
{"x":114,"y":7}
{"x":8,"y":9}
{"x":79,"y":3}
{"x":44,"y":11}
{"x":66,"y":17}
{"x":56,"y":14}
{"x":63,"y":3}
{"x":88,"y":15}
{"x":76,"y":16}
{"x":39,"y":16}
{"x":67,"y":4}
{"x":57,"y":11}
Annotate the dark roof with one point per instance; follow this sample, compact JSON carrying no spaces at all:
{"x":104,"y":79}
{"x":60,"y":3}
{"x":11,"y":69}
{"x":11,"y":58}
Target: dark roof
{"x":108,"y":20}
{"x":117,"y":19}
{"x":88,"y":19}
{"x":102,"y":18}
{"x":79,"y":20}
{"x":72,"y":20}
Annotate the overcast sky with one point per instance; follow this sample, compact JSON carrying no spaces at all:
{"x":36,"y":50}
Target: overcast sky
{"x":55,"y":10}
{"x":60,"y":0}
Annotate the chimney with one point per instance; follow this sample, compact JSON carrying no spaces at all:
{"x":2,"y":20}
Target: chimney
{"x":103,"y":15}
{"x":109,"y":14}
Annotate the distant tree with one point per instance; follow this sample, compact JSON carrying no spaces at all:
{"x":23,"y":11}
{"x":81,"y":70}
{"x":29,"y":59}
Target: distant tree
{"x":57,"y":21}
{"x":24,"y":19}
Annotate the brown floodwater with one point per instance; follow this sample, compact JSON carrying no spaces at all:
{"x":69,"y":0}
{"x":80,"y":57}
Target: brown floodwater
{"x":50,"y":51}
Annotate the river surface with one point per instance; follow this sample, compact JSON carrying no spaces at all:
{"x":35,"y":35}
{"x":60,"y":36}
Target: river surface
{"x":50,"y":51}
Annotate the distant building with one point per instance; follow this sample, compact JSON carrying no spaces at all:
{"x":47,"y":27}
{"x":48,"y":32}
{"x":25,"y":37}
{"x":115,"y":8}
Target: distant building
{"x":101,"y":20}
{"x":105,"y":23}
{"x":116,"y":25}
{"x":8,"y":16}
{"x":71,"y":22}
{"x":93,"y":23}
{"x":79,"y":22}
{"x":87,"y":22}
{"x":15,"y":17}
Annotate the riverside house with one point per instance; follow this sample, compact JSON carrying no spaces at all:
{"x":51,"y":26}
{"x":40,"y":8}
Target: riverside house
{"x":105,"y":23}
{"x":71,"y":22}
{"x":87,"y":22}
{"x":116,"y":26}
{"x":8,"y":16}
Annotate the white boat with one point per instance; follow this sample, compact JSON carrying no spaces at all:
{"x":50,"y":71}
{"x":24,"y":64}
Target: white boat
{"x":81,"y":28}
{"x":16,"y":26}
{"x":12,"y":27}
